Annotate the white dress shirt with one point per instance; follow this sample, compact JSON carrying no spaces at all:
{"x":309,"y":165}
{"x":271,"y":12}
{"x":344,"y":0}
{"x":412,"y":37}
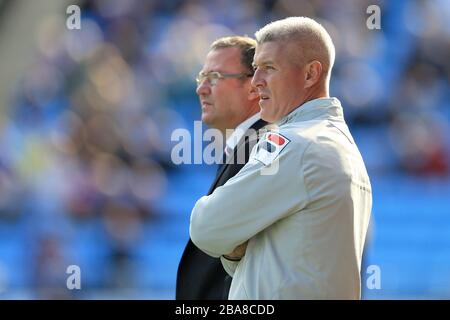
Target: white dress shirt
{"x":239,"y":132}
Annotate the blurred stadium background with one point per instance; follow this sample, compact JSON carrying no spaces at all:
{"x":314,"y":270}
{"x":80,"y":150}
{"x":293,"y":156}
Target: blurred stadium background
{"x":86,"y":117}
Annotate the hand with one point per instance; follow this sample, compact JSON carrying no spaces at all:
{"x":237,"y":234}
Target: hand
{"x":238,"y":252}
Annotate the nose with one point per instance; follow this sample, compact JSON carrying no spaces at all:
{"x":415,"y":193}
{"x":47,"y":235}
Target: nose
{"x":257,"y":80}
{"x":203,"y":87}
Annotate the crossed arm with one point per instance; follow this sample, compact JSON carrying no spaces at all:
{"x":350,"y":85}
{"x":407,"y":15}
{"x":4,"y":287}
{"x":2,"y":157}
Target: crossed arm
{"x":223,"y":222}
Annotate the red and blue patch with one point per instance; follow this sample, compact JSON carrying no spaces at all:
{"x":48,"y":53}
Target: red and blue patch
{"x":270,"y":146}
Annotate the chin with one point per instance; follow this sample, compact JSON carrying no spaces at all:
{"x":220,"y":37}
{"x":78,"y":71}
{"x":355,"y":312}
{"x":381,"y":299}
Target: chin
{"x":267,"y":117}
{"x":206,"y":119}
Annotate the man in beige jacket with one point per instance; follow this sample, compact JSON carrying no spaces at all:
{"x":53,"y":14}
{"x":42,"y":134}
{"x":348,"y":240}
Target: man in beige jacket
{"x":300,"y":208}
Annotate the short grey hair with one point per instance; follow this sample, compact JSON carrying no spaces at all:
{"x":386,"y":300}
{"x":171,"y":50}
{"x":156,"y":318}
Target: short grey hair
{"x":311,"y":36}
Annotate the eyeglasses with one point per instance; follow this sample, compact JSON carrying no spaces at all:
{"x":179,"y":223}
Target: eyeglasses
{"x":214,"y":76}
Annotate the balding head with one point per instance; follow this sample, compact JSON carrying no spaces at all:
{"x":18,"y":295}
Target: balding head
{"x":308,"y":40}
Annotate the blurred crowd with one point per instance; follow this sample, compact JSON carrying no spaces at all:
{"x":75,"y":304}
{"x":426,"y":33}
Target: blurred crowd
{"x":86,"y":137}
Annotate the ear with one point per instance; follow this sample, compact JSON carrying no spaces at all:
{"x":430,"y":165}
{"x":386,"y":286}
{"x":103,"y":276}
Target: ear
{"x":313,"y":73}
{"x":253,"y":93}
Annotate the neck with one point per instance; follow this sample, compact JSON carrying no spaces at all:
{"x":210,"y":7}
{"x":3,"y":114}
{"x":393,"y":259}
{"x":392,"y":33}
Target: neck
{"x":228,"y":131}
{"x":316,"y":93}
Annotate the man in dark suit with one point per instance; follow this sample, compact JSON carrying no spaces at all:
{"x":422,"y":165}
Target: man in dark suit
{"x":230,"y":104}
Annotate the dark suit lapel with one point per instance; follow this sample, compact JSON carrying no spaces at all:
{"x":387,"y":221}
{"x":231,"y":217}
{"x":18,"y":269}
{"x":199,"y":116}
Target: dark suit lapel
{"x":244,"y":140}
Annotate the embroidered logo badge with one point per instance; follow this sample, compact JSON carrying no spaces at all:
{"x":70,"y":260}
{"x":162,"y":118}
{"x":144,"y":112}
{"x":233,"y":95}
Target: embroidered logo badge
{"x":270,"y":147}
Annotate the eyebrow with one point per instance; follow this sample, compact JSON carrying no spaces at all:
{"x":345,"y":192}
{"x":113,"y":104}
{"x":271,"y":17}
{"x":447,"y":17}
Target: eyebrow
{"x":264,"y":63}
{"x":210,"y":71}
